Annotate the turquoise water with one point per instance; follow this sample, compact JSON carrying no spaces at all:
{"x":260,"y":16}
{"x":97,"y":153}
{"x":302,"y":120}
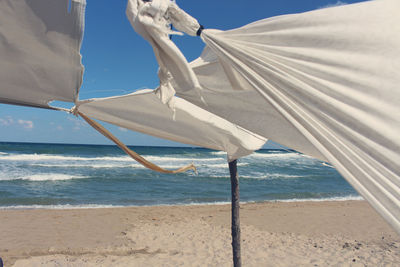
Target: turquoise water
{"x":60,"y":175}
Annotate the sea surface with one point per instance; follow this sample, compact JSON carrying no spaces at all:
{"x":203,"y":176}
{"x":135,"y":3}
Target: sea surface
{"x":78,"y":176}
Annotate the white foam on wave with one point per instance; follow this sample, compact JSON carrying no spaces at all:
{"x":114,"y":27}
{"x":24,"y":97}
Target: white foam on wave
{"x":223,"y":165}
{"x":111,"y":166}
{"x":347,"y":198}
{"x":50,"y":177}
{"x":270,"y":176}
{"x":132,"y":164}
{"x":59,"y":207}
{"x":218,"y":153}
{"x":275,"y":155}
{"x":259,"y":176}
{"x":114,"y":166}
{"x":170,"y":166}
{"x":94,"y":166}
{"x":101,"y":206}
{"x":3,"y":153}
{"x":49,"y":157}
{"x":167,"y":158}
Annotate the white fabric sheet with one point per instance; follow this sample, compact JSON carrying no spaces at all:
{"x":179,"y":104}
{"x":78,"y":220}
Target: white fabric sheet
{"x":39,"y":51}
{"x":327,"y":84}
{"x":143,"y":112}
{"x":242,"y":105}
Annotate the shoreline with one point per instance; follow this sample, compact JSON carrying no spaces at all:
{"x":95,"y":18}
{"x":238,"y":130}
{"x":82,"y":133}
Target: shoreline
{"x":110,"y":206}
{"x":274,"y":233}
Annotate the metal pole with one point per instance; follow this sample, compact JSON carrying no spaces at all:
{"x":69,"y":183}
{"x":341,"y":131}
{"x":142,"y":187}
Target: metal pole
{"x":237,"y":262}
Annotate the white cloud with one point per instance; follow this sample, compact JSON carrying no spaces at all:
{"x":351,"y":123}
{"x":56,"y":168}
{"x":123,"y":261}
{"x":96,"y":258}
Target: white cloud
{"x":6,"y":121}
{"x":338,"y":3}
{"x":26,"y":124}
{"x":122,"y":129}
{"x":60,"y":128}
{"x":77,"y":123}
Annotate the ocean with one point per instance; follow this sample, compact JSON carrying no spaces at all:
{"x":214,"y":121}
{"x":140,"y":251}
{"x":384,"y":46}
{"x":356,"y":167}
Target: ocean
{"x":81,"y":176}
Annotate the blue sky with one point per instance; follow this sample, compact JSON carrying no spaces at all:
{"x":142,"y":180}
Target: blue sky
{"x":118,"y":61}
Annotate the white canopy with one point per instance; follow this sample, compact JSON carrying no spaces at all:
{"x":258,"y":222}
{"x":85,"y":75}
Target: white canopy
{"x":143,"y":112}
{"x":39,"y":50}
{"x":325,"y":82}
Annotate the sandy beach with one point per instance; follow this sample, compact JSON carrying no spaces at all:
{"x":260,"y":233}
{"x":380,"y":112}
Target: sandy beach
{"x":348,"y":233}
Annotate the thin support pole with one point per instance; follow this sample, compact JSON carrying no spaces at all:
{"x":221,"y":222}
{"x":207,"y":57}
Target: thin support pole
{"x":237,"y":262}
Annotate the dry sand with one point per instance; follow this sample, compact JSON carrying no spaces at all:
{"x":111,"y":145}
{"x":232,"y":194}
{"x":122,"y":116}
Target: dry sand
{"x":273,"y":234}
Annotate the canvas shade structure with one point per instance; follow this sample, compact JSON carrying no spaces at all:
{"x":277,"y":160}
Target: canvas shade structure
{"x":324,"y":82}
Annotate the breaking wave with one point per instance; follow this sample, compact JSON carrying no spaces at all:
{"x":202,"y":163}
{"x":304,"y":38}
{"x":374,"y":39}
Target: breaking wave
{"x":64,"y":176}
{"x":45,"y":177}
{"x":275,"y":155}
{"x":48,"y":157}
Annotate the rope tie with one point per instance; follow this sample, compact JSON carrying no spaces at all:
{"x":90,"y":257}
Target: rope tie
{"x":130,"y":152}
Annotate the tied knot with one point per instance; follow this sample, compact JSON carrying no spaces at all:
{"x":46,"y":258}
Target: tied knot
{"x":201,"y":28}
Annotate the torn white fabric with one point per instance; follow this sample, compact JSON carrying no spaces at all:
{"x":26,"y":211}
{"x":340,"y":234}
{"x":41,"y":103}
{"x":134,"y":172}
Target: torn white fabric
{"x":151,"y":20}
{"x":325,"y":82}
{"x":143,"y":112}
{"x":181,"y":20}
{"x":39,"y":51}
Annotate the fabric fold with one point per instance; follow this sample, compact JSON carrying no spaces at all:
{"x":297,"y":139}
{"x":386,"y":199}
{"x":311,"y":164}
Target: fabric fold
{"x":143,"y":112}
